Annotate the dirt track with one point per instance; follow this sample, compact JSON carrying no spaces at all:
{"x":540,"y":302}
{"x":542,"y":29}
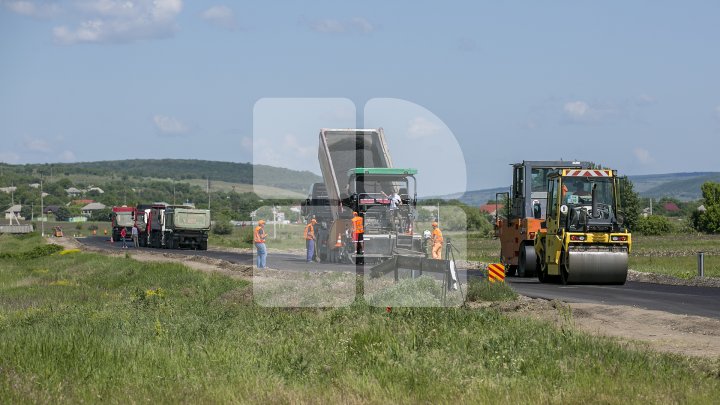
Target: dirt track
{"x":681,"y":334}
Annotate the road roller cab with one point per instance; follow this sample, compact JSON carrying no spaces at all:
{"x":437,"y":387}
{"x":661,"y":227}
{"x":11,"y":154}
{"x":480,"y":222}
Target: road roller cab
{"x":583,"y":240}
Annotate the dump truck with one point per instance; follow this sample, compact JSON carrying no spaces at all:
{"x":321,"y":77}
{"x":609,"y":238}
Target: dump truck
{"x":142,"y":222}
{"x":178,"y":226}
{"x":122,"y":217}
{"x":583,"y":240}
{"x":358,"y":177}
{"x":523,"y":210}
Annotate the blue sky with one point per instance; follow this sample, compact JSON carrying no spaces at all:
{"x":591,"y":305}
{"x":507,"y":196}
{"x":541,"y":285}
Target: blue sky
{"x":632,"y":85}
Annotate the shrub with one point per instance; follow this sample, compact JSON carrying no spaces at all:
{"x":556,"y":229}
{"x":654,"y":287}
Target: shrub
{"x":654,"y":225}
{"x":222,"y":227}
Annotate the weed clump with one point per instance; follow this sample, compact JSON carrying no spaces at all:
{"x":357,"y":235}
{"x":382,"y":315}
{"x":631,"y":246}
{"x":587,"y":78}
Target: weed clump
{"x":479,"y":290}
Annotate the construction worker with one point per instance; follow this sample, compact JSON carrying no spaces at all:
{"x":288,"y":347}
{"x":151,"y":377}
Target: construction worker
{"x":357,"y":226}
{"x":437,"y":240}
{"x":134,"y":233}
{"x":123,"y":235}
{"x":259,"y":236}
{"x":310,"y":239}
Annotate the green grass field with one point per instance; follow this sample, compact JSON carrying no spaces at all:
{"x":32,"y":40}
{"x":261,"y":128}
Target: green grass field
{"x":84,"y":327}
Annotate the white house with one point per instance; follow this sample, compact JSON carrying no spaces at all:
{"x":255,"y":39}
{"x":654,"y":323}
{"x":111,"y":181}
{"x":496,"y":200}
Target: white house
{"x":8,"y":189}
{"x":73,"y":192}
{"x":93,"y":188}
{"x":13,"y":212}
{"x":92,"y":207}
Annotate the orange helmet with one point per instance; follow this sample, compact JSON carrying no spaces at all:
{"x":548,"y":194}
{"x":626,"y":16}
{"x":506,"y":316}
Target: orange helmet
{"x":261,"y":222}
{"x":434,"y":224}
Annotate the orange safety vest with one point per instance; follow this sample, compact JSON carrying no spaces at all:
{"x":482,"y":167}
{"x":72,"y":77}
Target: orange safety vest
{"x":437,"y":235}
{"x":259,"y":234}
{"x":357,"y":224}
{"x":309,"y":232}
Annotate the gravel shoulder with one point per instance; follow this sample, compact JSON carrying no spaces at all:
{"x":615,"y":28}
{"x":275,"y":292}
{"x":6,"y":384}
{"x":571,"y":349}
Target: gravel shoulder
{"x":679,"y":334}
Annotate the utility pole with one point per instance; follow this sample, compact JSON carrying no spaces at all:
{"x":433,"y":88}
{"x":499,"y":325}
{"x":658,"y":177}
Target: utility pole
{"x":208,"y":191}
{"x":173,"y":193}
{"x":650,"y":205}
{"x":438,"y":218}
{"x":42,"y":208}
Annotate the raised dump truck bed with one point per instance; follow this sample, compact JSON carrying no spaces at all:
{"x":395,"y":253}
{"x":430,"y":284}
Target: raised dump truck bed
{"x":343,"y":149}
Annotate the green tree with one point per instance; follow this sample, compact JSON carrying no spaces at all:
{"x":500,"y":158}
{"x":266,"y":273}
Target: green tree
{"x":629,"y":203}
{"x":62,"y":214}
{"x":103,"y":215}
{"x":26,"y":211}
{"x":709,"y":221}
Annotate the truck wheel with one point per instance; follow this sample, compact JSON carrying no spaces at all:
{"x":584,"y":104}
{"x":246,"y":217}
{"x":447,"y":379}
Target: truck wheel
{"x":203,"y":245}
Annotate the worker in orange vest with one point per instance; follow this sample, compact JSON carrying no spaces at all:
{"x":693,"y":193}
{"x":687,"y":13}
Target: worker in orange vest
{"x":310,"y":239}
{"x":437,"y":239}
{"x":259,"y":236}
{"x":357,"y":226}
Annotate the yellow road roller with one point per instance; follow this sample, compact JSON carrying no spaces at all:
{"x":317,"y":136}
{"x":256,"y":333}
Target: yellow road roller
{"x":583,"y":240}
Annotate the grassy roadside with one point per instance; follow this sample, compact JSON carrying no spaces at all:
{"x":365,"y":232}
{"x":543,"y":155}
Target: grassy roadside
{"x":87,"y":328}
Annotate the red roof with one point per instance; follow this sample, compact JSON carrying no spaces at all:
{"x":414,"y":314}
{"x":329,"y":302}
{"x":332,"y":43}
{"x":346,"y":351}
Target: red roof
{"x":490,"y":208}
{"x":671,"y":207}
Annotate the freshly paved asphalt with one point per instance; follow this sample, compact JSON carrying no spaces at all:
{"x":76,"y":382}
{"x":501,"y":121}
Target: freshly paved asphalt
{"x":684,"y":300}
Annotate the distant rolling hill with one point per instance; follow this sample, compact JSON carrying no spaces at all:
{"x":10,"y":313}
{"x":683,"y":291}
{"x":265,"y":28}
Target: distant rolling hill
{"x":683,"y":186}
{"x":229,"y":173}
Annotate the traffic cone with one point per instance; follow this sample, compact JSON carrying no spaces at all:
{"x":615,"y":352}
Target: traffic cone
{"x":339,"y":241}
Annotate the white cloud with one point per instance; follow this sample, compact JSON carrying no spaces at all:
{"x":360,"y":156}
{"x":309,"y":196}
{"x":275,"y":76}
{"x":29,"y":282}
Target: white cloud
{"x":68,"y":156}
{"x":576,"y":109}
{"x":121,"y":21}
{"x":333,"y":26}
{"x":421,"y":127}
{"x":221,"y":16}
{"x":37,"y":145}
{"x":582,"y":112}
{"x":169,"y":125}
{"x":643,"y":155}
{"x":36,"y":9}
{"x":362,"y":25}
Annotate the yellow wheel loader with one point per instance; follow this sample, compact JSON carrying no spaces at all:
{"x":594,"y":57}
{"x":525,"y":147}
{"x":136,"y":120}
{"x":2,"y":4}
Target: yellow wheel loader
{"x":583,"y":240}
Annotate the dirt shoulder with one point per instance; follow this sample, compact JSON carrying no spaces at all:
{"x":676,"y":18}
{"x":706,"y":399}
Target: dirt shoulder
{"x":680,"y":334}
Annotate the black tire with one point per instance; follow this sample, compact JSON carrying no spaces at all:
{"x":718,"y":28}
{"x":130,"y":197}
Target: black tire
{"x":203,"y":245}
{"x":511,"y":270}
{"x":527,"y":262}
